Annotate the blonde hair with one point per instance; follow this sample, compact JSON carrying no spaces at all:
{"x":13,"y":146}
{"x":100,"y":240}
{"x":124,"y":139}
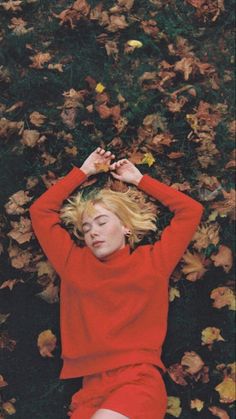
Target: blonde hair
{"x":131,"y":207}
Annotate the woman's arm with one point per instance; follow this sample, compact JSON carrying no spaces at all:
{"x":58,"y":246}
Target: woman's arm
{"x":44,"y":212}
{"x":187,"y":214}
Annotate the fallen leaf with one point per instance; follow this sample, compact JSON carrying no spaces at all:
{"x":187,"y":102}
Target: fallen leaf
{"x":21,"y":231}
{"x":148,"y":159}
{"x":173,"y":406}
{"x":226,"y":390}
{"x":227,"y":206}
{"x":68,"y":117}
{"x":3,"y":383}
{"x":40,"y":59}
{"x":197,"y":404}
{"x":194,"y":267}
{"x":178,"y":374}
{"x":223,"y":296}
{"x":46,"y":343}
{"x":99,"y":88}
{"x":16,"y":201}
{"x":211,"y":335}
{"x":223,"y":258}
{"x":30,"y":137}
{"x":9,"y":408}
{"x":173,"y":293}
{"x":50,"y":294}
{"x":205,"y":235}
{"x":37,"y":118}
{"x":6,"y":342}
{"x":3,"y":319}
{"x":102,"y":167}
{"x":220,"y":413}
{"x":192,"y":362}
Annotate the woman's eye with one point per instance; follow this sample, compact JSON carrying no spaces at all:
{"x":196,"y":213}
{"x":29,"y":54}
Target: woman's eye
{"x":101,"y":224}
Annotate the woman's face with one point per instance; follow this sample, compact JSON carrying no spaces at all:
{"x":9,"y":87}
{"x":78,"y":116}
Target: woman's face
{"x":103,"y":232}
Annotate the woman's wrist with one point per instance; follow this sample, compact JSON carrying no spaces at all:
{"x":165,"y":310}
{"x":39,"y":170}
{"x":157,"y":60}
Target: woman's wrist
{"x":85,"y":170}
{"x":137,"y":179}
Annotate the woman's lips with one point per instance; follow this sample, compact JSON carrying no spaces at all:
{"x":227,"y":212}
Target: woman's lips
{"x":98,"y":243}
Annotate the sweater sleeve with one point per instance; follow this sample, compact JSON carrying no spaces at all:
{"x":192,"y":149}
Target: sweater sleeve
{"x":54,"y":239}
{"x":176,"y":237}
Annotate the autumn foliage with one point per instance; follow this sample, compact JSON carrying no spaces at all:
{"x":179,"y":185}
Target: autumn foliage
{"x":152,"y":81}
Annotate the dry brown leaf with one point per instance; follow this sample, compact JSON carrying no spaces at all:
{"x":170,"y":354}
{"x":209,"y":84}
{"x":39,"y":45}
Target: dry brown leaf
{"x":3,"y":319}
{"x":205,"y":235}
{"x":21,"y":231}
{"x":192,"y":362}
{"x":48,"y":158}
{"x":194,"y":267}
{"x":10,"y":283}
{"x":8,"y":407}
{"x":19,"y":258}
{"x":37,"y":118}
{"x":185,"y":186}
{"x":74,"y":98}
{"x":117,"y":23}
{"x":16,"y":105}
{"x":220,"y":413}
{"x":227,"y":206}
{"x":50,"y":294}
{"x":46,"y":343}
{"x":7,"y":128}
{"x":150,"y":28}
{"x":12,"y":5}
{"x":112,"y":49}
{"x":68,"y":117}
{"x":3,"y":383}
{"x":223,"y":258}
{"x":19,"y":26}
{"x":6,"y":342}
{"x":102,"y":167}
{"x":40,"y":59}
{"x":30,"y":137}
{"x":16,"y":201}
{"x":73,"y":151}
{"x":178,"y":374}
{"x":197,"y":404}
{"x":223,"y":296}
{"x":175,"y":155}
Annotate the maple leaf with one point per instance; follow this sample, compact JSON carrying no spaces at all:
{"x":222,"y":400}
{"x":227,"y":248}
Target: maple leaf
{"x":68,"y":117}
{"x":223,"y":258}
{"x":40,"y":59}
{"x":148,"y":159}
{"x":195,"y":265}
{"x":205,"y":235}
{"x":13,"y":5}
{"x":102,"y":167}
{"x":46,"y":342}
{"x":50,"y":294}
{"x":223,"y":296}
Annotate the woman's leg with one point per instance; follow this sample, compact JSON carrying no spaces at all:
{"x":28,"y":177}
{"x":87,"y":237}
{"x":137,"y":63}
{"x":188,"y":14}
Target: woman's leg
{"x":108,"y":414}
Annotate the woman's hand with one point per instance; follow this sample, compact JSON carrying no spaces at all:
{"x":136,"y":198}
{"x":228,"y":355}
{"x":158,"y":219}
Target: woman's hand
{"x":96,"y":160}
{"x":126,"y":171}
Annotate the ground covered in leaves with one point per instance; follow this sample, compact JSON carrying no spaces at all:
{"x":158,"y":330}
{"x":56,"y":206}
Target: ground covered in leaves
{"x":152,"y":81}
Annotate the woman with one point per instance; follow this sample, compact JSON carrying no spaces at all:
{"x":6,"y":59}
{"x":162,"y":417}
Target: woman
{"x":113,"y":302}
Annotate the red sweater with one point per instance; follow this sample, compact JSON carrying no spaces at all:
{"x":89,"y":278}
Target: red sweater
{"x":113,"y":312}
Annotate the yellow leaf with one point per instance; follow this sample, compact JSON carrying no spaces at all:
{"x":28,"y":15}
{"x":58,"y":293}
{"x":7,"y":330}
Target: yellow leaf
{"x":46,"y":343}
{"x":173,"y":293}
{"x":210,"y":335}
{"x":197,"y":404}
{"x":134,"y":43}
{"x":99,"y":88}
{"x":148,"y":159}
{"x":173,"y":406}
{"x":226,"y":390}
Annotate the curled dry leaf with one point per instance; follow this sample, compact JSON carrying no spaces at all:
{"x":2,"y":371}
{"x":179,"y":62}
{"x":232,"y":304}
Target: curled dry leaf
{"x":3,"y":383}
{"x":8,"y":407}
{"x":21,"y":231}
{"x":211,"y":335}
{"x":50,"y":294}
{"x":220,"y":413}
{"x":226,"y":390}
{"x":223,"y":296}
{"x":178,"y":374}
{"x":6,"y":342}
{"x":194,"y":267}
{"x":8,"y":128}
{"x":16,"y":201}
{"x":30,"y":137}
{"x":173,"y":293}
{"x":174,"y":406}
{"x":227,"y":206}
{"x":37,"y":118}
{"x":46,"y":343}
{"x":192,"y":362}
{"x":223,"y":258}
{"x":19,"y":258}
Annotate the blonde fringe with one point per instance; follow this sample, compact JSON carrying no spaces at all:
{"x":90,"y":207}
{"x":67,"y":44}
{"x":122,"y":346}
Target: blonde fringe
{"x":131,"y":207}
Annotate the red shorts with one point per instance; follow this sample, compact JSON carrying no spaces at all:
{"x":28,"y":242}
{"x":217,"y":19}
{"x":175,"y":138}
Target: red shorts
{"x":137,"y":391}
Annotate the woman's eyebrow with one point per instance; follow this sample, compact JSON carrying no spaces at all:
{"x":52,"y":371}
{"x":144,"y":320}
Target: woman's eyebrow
{"x":98,"y":216}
